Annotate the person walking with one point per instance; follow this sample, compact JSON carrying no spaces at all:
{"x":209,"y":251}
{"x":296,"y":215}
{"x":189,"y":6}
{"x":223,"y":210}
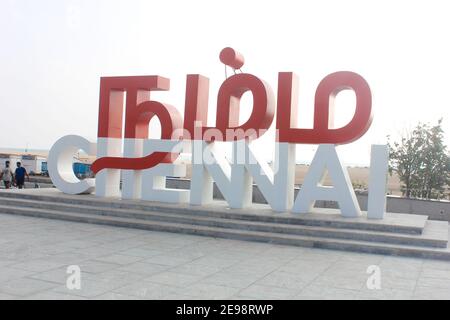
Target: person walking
{"x":7,"y":175}
{"x":20,"y":175}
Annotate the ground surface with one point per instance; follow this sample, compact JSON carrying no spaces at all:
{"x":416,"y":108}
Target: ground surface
{"x":119,"y":263}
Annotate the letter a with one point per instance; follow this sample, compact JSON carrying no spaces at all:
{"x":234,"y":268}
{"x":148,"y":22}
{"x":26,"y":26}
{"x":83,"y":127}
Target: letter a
{"x":312,"y":188}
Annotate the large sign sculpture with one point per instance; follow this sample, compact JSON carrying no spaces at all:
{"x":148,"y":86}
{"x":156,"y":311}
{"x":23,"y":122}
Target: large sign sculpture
{"x":145,"y":162}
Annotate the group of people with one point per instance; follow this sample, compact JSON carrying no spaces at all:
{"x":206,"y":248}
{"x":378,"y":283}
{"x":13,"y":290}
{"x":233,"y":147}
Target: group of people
{"x":16,"y":178}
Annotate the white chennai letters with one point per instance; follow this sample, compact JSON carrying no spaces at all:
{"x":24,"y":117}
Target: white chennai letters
{"x":132,"y":179}
{"x":379,"y":165}
{"x":326,"y":159}
{"x":233,"y":178}
{"x":107,"y":182}
{"x":154,"y":179}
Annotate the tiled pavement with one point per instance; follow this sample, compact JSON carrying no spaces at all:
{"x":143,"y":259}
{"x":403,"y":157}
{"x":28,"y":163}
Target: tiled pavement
{"x":119,"y":263}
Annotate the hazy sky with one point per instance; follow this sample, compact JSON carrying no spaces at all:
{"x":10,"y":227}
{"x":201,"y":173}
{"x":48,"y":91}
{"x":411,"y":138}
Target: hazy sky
{"x":53,"y":53}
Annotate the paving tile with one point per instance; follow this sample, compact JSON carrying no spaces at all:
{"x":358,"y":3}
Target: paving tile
{"x":8,"y":274}
{"x":58,"y":275}
{"x":115,"y":296}
{"x":346,"y":270}
{"x":398,"y":283}
{"x":360,"y":266}
{"x":215,"y":261}
{"x":261,"y":263}
{"x":300,"y":265}
{"x":385,"y":294}
{"x":436,"y":264}
{"x":146,"y":290}
{"x":318,"y":292}
{"x":361,"y":258}
{"x":174,"y":279}
{"x":196,"y":269}
{"x":208,"y":291}
{"x":320,"y":255}
{"x":70,"y":258}
{"x":89,"y":288}
{"x":403,"y":270}
{"x":257,"y":291}
{"x":306,"y":275}
{"x":124,"y":245}
{"x":37,"y":265}
{"x":93,"y":266}
{"x":97,"y":251}
{"x":241,"y":297}
{"x":79,"y":244}
{"x":188,"y":253}
{"x":22,"y":254}
{"x":351,"y":283}
{"x":232,"y":279}
{"x":162,"y":245}
{"x":434,"y":283}
{"x":7,"y":262}
{"x":282,"y":252}
{"x":435,"y":273}
{"x":141,"y":252}
{"x":431,"y":293}
{"x":119,"y":259}
{"x":55,"y":249}
{"x":167,"y":260}
{"x":4,"y":296}
{"x":144,"y":268}
{"x":47,"y":295}
{"x":262,"y":268}
{"x":25,"y":286}
{"x":176,"y":296}
{"x":284,"y":280}
{"x":113,"y":278}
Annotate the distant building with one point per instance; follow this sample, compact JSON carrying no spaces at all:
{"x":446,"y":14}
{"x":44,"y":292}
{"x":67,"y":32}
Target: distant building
{"x":33,"y":163}
{"x":37,"y":163}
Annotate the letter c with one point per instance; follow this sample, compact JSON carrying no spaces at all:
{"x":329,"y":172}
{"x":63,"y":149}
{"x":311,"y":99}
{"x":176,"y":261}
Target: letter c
{"x":60,"y":164}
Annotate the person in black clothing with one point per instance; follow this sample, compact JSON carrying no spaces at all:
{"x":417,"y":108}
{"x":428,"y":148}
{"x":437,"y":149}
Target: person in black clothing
{"x":19,"y":176}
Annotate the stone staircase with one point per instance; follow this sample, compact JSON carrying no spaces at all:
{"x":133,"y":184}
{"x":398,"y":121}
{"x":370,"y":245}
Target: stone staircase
{"x":397,"y":234}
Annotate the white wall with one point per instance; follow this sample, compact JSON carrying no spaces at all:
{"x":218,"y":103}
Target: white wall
{"x":34,"y":165}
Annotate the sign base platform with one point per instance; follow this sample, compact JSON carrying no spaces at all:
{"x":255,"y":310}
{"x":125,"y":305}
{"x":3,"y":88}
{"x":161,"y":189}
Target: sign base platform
{"x":397,"y":234}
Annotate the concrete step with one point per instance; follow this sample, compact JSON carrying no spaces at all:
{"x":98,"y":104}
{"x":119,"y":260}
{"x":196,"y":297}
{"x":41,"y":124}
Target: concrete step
{"x":435,"y":234}
{"x":330,"y":218}
{"x":270,"y":237}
